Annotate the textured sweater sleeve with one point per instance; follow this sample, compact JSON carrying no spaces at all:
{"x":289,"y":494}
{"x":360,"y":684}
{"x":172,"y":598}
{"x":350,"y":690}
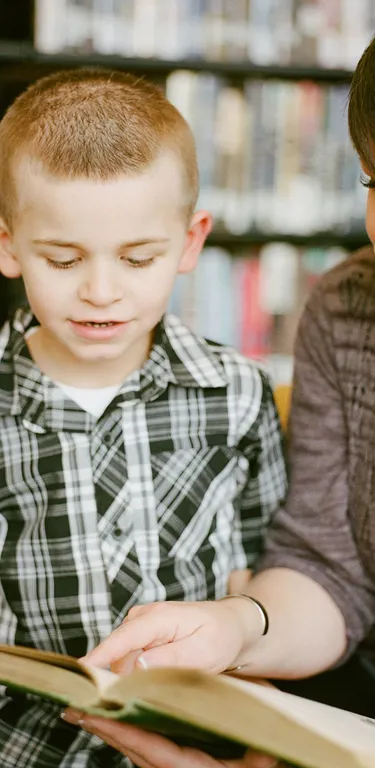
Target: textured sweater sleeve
{"x":313,"y":534}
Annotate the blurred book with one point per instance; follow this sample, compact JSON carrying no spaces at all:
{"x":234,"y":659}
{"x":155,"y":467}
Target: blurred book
{"x":253,"y":301}
{"x":309,"y":32}
{"x":273,"y":156}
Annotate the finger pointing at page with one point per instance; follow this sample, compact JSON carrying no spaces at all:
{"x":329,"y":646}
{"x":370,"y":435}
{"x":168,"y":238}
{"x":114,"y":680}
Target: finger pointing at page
{"x":207,"y":635}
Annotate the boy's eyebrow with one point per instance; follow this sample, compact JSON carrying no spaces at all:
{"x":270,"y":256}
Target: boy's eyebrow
{"x":143,"y":241}
{"x":77,"y":246}
{"x":58,"y":243}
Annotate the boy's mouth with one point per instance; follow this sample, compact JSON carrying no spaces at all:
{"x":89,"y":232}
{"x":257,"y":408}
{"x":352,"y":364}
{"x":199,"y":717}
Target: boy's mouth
{"x":98,"y":330}
{"x":91,"y":324}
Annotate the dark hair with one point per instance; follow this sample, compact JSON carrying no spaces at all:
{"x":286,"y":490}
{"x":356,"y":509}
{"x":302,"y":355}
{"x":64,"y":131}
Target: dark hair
{"x":361,"y":109}
{"x":12,"y":295}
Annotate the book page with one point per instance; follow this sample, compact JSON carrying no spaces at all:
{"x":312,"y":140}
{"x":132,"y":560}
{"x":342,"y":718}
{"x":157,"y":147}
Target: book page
{"x":65,"y":683}
{"x":345,"y":728}
{"x":103,"y":678}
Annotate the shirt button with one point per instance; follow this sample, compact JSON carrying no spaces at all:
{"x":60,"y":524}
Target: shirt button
{"x":108,"y":439}
{"x":117,"y":532}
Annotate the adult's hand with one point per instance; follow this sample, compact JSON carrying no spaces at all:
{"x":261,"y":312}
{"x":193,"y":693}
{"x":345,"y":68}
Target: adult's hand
{"x":209,"y":635}
{"x":149,"y":750}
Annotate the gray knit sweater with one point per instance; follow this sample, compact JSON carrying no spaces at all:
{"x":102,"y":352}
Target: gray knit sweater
{"x":327,"y":530}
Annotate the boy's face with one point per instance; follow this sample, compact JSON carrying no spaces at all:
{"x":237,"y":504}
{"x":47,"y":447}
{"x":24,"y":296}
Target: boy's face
{"x":99,"y":260}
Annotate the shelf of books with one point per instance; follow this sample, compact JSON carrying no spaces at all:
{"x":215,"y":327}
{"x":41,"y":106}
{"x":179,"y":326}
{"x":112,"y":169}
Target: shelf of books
{"x":325,"y":34}
{"x":254,"y":301}
{"x":264,"y":86}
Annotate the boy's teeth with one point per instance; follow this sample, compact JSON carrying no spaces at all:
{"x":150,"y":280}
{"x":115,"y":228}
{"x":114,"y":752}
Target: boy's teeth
{"x":99,"y":325}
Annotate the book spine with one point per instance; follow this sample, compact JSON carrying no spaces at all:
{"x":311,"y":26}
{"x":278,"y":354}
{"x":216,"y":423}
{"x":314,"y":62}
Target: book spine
{"x":215,"y":308}
{"x":214,"y":29}
{"x":235,"y":29}
{"x":50,"y":25}
{"x":123,"y":43}
{"x":255,"y":322}
{"x":354,"y":30}
{"x":208,"y":88}
{"x":234,"y":148}
{"x":261,"y":48}
{"x":104,"y":26}
{"x":171,"y":38}
{"x":145,"y":18}
{"x":329,"y":43}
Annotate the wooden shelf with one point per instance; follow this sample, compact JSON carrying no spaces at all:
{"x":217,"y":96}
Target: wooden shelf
{"x":20,"y":60}
{"x":350,"y":240}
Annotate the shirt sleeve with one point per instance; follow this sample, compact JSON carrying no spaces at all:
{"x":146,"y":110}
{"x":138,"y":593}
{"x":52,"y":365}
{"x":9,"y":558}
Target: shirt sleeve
{"x":265,"y":488}
{"x":313,"y":533}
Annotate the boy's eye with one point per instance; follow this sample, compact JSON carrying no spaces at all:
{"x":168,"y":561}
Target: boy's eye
{"x":141,"y":262}
{"x":61,"y":264}
{"x":137,"y":263}
{"x":367,"y":181}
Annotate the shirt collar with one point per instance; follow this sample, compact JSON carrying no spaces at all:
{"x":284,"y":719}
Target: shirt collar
{"x":188,"y":360}
{"x":177,"y":357}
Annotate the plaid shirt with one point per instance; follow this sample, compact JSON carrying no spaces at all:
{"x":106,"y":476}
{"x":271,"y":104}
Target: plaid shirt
{"x":159,"y":499}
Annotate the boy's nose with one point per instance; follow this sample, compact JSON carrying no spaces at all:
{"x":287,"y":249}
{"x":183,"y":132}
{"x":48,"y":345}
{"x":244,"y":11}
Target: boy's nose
{"x":102,"y":287}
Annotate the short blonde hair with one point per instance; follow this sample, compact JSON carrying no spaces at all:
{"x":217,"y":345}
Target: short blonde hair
{"x":95,"y":124}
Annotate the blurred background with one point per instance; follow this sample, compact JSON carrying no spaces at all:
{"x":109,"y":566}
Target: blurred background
{"x":264,"y":86}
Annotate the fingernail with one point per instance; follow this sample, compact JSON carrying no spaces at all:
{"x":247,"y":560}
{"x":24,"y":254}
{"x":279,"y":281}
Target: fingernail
{"x":73,"y":717}
{"x":142,"y":662}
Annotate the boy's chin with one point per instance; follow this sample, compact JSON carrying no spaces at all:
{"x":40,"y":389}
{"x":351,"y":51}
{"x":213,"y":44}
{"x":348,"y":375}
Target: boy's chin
{"x":98,"y":354}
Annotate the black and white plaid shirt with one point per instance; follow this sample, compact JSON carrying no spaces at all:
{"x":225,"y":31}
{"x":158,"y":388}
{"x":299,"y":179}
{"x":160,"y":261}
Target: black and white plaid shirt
{"x":159,"y":499}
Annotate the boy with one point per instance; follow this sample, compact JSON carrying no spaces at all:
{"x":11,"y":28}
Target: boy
{"x":138,"y":463}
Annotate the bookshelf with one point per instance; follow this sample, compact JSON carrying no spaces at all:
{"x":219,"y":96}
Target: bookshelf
{"x":21,"y":58}
{"x":350,"y":240}
{"x":240,"y":259}
{"x":20,"y":64}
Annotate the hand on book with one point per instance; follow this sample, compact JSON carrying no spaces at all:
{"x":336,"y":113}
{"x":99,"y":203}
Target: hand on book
{"x":209,"y":635}
{"x":149,"y":750}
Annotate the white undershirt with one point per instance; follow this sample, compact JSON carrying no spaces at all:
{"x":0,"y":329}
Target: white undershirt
{"x":94,"y":401}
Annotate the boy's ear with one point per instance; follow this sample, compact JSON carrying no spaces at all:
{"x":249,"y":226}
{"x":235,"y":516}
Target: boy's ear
{"x":199,"y":228}
{"x":9,"y":265}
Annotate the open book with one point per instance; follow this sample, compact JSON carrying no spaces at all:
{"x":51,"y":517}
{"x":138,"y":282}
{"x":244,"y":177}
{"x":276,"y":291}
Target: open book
{"x":221,"y":715}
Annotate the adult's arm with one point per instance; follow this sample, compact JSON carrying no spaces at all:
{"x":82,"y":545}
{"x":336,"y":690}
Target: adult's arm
{"x":320,"y":600}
